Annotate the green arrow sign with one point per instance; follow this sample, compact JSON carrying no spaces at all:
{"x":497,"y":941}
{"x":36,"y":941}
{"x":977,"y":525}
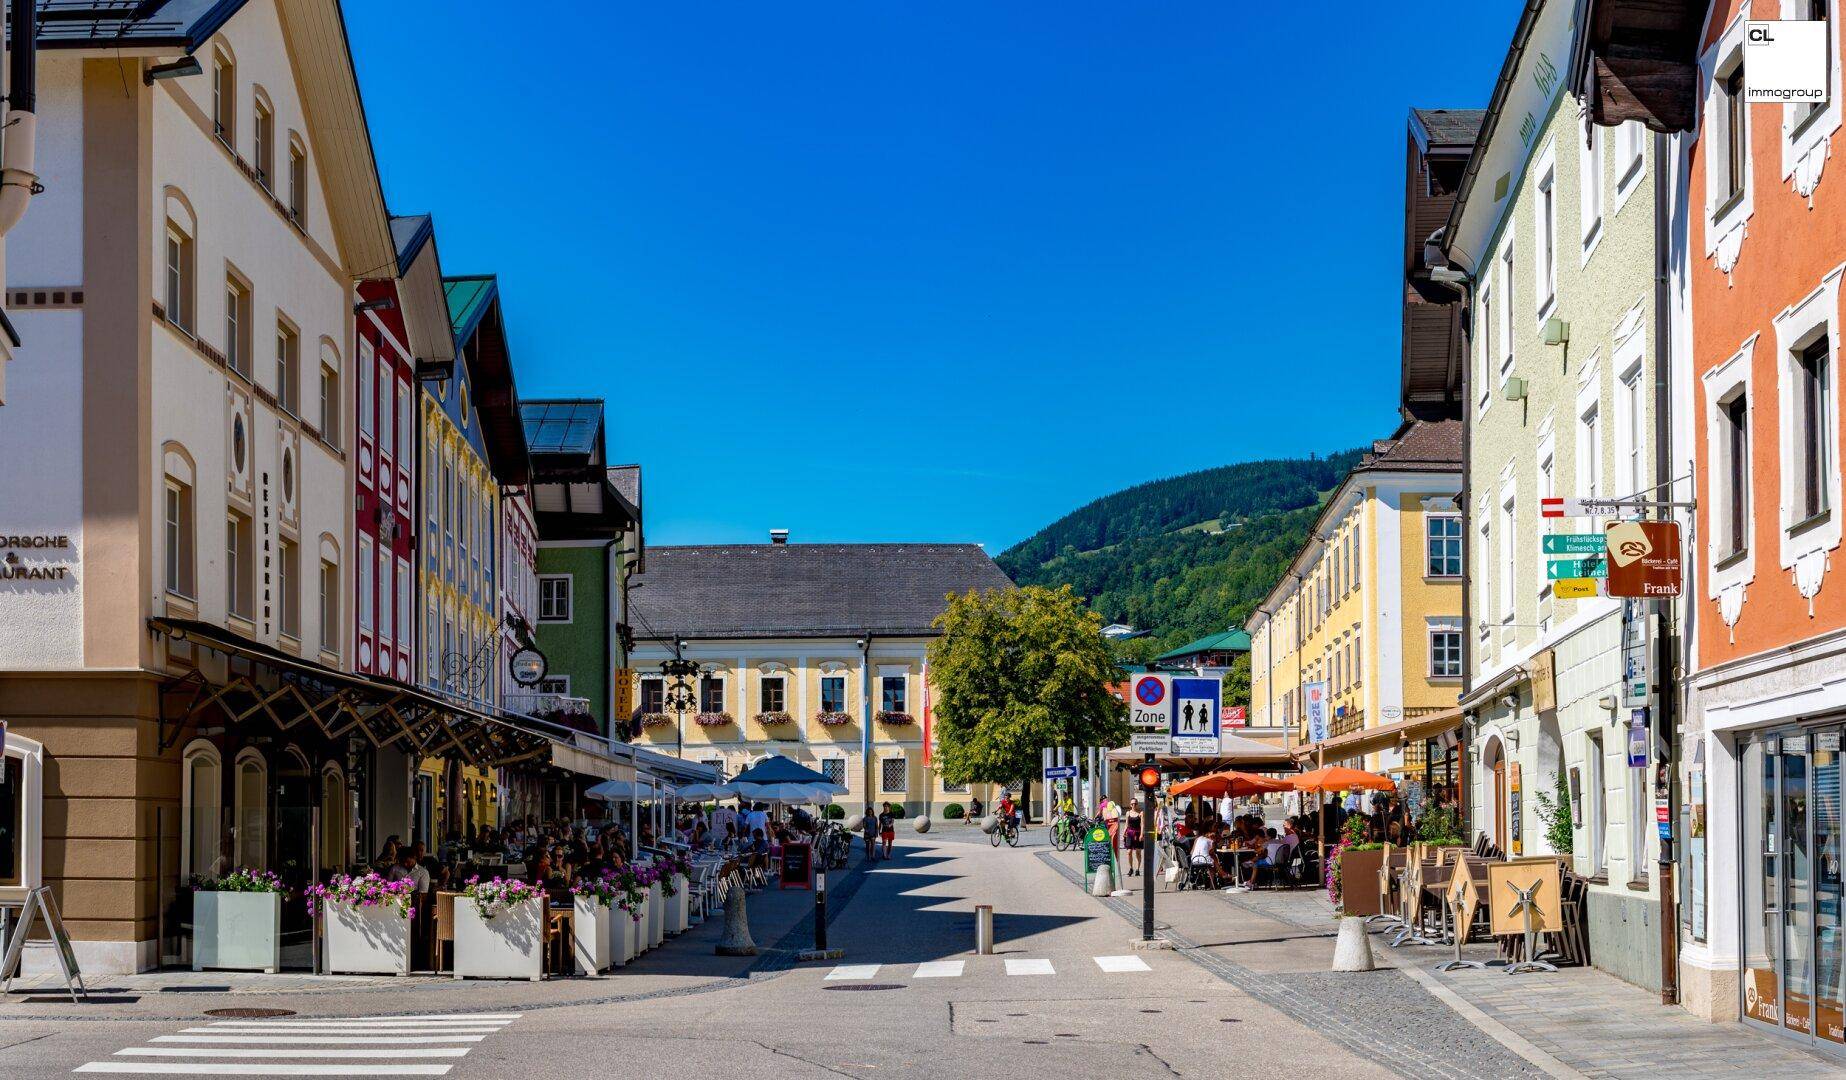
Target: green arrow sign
{"x":1575,"y":544}
{"x":1556,"y":568}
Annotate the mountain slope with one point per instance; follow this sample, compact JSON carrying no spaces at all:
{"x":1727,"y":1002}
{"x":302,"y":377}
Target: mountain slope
{"x":1187,"y":555}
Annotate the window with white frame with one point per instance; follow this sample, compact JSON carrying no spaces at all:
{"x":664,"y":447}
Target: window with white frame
{"x":1484,"y":346}
{"x":711,"y":694}
{"x":1545,"y":232}
{"x":1442,"y":534}
{"x":263,"y":128}
{"x":201,"y":796}
{"x":1589,"y":453}
{"x":1732,"y":475}
{"x":224,"y":95}
{"x":329,"y":606}
{"x":1445,"y":650}
{"x":833,"y":693}
{"x":1590,"y":179}
{"x":554,"y":684}
{"x":181,"y":549}
{"x":386,"y":593}
{"x":365,"y":583}
{"x":297,"y":181}
{"x":772,"y":695}
{"x":1630,"y":155}
{"x":1813,"y":420}
{"x":554,"y":598}
{"x":330,"y":404}
{"x":288,"y":578}
{"x":179,"y":277}
{"x":894,"y":775}
{"x":406,"y":426}
{"x":239,"y":564}
{"x":1730,"y":122}
{"x":1490,"y":567}
{"x":288,"y":368}
{"x":1505,"y":326}
{"x":1631,"y":409}
{"x":237,"y":324}
{"x":368,"y":393}
{"x":1509,"y":554}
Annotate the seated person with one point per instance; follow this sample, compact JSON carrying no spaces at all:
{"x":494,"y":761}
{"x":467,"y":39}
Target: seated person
{"x":1274,"y":853}
{"x":1202,"y":854}
{"x":973,"y":812}
{"x":759,"y":850}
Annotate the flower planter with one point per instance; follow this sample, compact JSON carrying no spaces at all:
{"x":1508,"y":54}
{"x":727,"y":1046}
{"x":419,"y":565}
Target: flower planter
{"x":679,"y":906}
{"x":643,"y":941}
{"x":238,"y":931}
{"x":511,"y":945}
{"x":369,"y":940}
{"x":621,"y":937}
{"x":656,"y":915}
{"x":590,"y":935}
{"x":1359,"y":882}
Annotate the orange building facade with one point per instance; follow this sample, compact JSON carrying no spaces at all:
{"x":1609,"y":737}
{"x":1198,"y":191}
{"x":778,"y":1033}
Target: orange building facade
{"x":1765,"y":230}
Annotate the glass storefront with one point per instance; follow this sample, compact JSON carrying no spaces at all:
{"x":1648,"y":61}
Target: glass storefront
{"x":1792,"y":944}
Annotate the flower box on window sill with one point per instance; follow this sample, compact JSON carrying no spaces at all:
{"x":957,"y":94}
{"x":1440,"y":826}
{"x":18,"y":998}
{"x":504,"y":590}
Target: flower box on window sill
{"x":832,"y":719}
{"x":770,"y":719}
{"x":655,"y":719}
{"x":713,"y":719}
{"x":895,"y":719}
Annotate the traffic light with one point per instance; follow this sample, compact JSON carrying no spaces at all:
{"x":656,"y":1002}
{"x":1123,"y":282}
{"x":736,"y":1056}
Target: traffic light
{"x":1149,"y":778}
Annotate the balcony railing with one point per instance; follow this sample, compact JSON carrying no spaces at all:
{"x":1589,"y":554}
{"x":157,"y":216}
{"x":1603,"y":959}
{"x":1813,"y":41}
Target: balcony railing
{"x":531,"y":703}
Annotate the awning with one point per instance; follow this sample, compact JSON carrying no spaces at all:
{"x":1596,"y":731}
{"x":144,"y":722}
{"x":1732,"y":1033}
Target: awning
{"x":676,"y":771}
{"x":1234,"y":752}
{"x":290,"y":691}
{"x":587,"y":762}
{"x":1371,"y":740}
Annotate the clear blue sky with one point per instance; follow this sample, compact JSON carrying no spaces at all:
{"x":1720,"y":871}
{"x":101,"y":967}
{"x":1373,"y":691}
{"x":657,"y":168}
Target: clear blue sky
{"x":927,"y":270}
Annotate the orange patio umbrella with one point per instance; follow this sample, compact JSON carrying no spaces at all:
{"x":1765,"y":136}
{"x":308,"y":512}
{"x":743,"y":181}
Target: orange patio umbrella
{"x":1232,"y":783}
{"x":1341,"y":778}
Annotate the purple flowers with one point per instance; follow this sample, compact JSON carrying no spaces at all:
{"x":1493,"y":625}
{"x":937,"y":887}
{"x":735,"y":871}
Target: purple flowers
{"x":774,"y":717}
{"x":895,"y":719}
{"x":712,"y":719}
{"x":369,"y":890}
{"x":832,"y":719}
{"x":493,"y":897}
{"x":601,"y":889}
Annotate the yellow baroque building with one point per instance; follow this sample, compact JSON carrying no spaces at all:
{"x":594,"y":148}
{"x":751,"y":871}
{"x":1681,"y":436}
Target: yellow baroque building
{"x":1370,"y":606}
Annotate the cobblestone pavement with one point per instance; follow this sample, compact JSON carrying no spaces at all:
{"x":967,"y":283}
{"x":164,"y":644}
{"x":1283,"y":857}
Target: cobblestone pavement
{"x":1382,"y":1015}
{"x":1588,"y":1020}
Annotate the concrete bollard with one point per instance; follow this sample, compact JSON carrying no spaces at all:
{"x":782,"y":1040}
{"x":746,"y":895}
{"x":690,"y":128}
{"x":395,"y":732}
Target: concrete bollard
{"x":1353,"y":950}
{"x":1102,"y":883}
{"x":984,"y":929}
{"x":922,"y":823}
{"x":736,"y":940}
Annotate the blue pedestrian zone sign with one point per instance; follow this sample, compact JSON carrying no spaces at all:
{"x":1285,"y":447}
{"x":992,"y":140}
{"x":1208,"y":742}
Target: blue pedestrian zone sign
{"x":1195,"y":715}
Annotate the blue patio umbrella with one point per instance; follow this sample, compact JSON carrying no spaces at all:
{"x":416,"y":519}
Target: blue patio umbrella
{"x":777,"y":769}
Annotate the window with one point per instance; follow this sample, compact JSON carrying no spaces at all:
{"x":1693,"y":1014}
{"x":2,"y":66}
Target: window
{"x":834,"y":769}
{"x":288,"y":614}
{"x":1814,"y":417}
{"x":180,"y":550}
{"x":774,"y":696}
{"x":368,"y":399}
{"x":1489,"y":569}
{"x":1445,"y":652}
{"x":448,"y":498}
{"x":1640,"y":796}
{"x":1733,"y":131}
{"x":1443,"y":537}
{"x":554,"y":684}
{"x":954,"y":789}
{"x":386,"y":591}
{"x":1814,"y":11}
{"x":1546,"y":228}
{"x":264,"y":158}
{"x":329,"y":607}
{"x":1589,"y":454}
{"x":1596,"y":803}
{"x":653,"y":694}
{"x":237,"y":324}
{"x":238,"y":563}
{"x":554,"y":598}
{"x":1631,"y":403}
{"x":1483,"y":394}
{"x":893,"y":693}
{"x":179,"y":277}
{"x":330,"y":404}
{"x":297,"y":182}
{"x":406,"y":618}
{"x":224,"y":96}
{"x":1505,"y":326}
{"x":894,"y":775}
{"x":711,"y":694}
{"x":365,"y":583}
{"x":202,"y":794}
{"x":1590,"y":160}
{"x":405,"y":426}
{"x":252,"y":821}
{"x":1734,"y":450}
{"x":1509,"y":554}
{"x":1547,"y":484}
{"x":1630,"y":143}
{"x":288,"y":369}
{"x":833,"y":693}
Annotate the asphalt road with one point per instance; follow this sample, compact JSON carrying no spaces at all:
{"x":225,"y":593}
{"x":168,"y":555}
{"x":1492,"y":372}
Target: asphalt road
{"x":1064,"y":994}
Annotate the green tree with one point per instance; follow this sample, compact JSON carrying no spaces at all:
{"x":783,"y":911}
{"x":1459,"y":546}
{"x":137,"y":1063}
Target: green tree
{"x":1017,"y":670}
{"x":1237,"y":682}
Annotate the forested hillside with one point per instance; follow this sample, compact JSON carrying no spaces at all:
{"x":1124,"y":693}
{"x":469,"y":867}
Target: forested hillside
{"x":1184,"y":556}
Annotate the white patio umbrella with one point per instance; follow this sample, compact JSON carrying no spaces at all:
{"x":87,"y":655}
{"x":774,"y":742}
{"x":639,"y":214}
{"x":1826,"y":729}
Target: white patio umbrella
{"x":780,"y":793}
{"x":700,"y":792}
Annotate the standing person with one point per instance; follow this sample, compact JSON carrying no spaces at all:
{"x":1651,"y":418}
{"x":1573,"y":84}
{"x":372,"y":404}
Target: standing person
{"x":1131,"y":840}
{"x":869,"y":824}
{"x":1111,"y":815}
{"x":887,"y":828}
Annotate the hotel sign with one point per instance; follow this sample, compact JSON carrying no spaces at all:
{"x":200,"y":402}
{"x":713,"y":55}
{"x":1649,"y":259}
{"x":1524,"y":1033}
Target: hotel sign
{"x":22,"y":557}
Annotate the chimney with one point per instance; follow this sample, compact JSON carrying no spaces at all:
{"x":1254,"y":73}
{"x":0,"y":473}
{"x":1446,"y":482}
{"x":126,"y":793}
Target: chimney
{"x":778,"y":536}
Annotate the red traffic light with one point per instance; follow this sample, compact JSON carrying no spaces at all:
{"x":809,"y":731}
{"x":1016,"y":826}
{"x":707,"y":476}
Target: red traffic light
{"x":1149,"y":778}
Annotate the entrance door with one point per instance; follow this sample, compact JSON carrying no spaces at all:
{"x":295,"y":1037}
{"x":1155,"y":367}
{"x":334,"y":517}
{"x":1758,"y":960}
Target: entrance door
{"x":291,"y":846}
{"x":1499,"y":802}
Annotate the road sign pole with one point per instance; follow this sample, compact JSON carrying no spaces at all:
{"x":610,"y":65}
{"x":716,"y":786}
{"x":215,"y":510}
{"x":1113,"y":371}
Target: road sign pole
{"x":1147,"y":857}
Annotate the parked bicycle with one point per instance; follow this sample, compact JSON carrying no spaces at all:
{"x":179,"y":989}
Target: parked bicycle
{"x":1067,"y":830}
{"x":833,"y":845}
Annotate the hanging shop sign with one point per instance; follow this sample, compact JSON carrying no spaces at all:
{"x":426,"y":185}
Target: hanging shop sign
{"x":1544,"y":682}
{"x":1637,"y":739}
{"x":1644,"y":559}
{"x":23,"y":557}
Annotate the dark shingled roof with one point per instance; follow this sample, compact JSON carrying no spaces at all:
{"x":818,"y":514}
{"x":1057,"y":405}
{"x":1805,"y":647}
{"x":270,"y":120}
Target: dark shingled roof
{"x":1417,"y":446}
{"x":626,"y":480}
{"x":1451,"y":127}
{"x":804,"y":590}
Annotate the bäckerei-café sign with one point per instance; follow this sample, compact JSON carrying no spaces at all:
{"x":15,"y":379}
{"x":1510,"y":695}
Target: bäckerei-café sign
{"x":15,"y":567}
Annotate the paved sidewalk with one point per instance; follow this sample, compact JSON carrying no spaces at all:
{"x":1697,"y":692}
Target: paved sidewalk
{"x":1278,"y":945}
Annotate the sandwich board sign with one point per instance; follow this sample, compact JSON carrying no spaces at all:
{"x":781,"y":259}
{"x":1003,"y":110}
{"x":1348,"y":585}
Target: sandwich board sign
{"x":1196,"y":704}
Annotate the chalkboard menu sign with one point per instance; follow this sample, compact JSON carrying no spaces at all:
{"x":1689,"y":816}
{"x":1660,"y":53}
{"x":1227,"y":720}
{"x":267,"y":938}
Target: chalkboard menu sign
{"x":1098,"y":852}
{"x":797,"y":866}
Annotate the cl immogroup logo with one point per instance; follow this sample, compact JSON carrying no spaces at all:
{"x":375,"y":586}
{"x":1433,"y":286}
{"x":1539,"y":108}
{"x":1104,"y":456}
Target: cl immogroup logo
{"x":1785,"y":61}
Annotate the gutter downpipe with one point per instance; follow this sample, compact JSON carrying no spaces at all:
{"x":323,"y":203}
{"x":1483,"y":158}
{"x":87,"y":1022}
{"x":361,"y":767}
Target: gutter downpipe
{"x":1666,"y":677}
{"x":611,"y":569}
{"x":1463,"y":290}
{"x":18,"y":183}
{"x":865,"y":706}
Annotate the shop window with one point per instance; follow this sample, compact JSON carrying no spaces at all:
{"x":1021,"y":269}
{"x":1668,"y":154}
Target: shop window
{"x":12,"y":819}
{"x":200,"y":817}
{"x":334,"y":835}
{"x":252,"y":820}
{"x":894,"y":775}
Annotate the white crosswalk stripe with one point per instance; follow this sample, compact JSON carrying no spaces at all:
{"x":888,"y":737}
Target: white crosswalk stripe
{"x":1115,"y":965}
{"x":854,"y":971}
{"x":1030,"y":967}
{"x":941,"y":969}
{"x":955,"y":969}
{"x":356,"y":1046}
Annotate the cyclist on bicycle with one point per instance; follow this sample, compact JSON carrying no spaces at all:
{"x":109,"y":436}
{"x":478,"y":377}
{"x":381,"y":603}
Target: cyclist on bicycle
{"x":1008,"y":812}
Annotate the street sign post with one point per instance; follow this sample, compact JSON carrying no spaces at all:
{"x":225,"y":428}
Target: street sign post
{"x":1574,"y":543}
{"x":1195,"y":715}
{"x":1575,"y":588}
{"x":1061,"y":772}
{"x":1150,"y":702}
{"x":1592,"y":566}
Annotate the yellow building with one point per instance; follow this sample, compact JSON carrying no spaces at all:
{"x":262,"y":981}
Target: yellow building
{"x":1370,"y":607}
{"x":813,"y":651}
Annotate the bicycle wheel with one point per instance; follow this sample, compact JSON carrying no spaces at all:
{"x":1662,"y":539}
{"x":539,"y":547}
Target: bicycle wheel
{"x":994,"y":837}
{"x":1012,"y":837}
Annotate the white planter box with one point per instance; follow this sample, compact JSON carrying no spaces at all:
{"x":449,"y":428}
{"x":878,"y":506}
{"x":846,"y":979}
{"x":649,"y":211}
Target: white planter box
{"x":511,"y":945}
{"x":621,"y":937}
{"x":656,"y":915}
{"x":679,"y":908}
{"x":643,"y":942}
{"x":241,"y":931}
{"x":366,"y":940}
{"x":590,"y":935}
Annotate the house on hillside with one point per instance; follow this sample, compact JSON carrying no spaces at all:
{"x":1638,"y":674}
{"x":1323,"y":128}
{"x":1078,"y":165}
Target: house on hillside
{"x":1208,"y":657}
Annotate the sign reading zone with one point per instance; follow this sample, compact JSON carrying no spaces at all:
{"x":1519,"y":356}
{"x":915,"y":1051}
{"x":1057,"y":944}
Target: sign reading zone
{"x":1150,"y":702}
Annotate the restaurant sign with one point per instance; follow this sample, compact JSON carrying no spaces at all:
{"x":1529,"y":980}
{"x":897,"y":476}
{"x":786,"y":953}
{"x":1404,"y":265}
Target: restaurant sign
{"x":23,"y":557}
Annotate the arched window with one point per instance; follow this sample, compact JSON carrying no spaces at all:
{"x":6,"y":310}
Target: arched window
{"x":333,"y":832}
{"x":224,"y":94}
{"x":200,"y":810}
{"x":252,"y":821}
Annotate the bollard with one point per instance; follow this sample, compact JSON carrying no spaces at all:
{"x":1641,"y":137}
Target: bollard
{"x":1353,"y":951}
{"x":984,"y":929}
{"x":820,"y":911}
{"x":736,"y":940}
{"x":1102,"y":883}
{"x":921,"y":824}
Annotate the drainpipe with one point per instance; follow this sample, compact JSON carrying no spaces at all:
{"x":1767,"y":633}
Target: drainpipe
{"x":1665,"y":677}
{"x":612,"y":570}
{"x":865,"y":705}
{"x":18,"y":183}
{"x":1461,"y":284}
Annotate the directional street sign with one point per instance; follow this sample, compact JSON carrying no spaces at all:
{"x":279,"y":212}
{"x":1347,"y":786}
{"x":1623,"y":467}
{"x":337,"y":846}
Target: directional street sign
{"x":1560,"y":507}
{"x":1150,"y":702}
{"x":1195,"y":715}
{"x":1575,"y":544}
{"x":1060,"y":772}
{"x":1576,"y":588}
{"x":1591,"y":567}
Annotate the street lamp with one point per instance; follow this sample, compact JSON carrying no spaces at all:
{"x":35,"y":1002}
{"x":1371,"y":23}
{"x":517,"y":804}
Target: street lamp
{"x":678,"y":696}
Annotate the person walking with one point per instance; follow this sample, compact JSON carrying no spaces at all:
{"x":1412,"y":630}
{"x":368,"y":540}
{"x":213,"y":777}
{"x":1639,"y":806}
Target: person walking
{"x":869,"y":825}
{"x":1131,"y":840}
{"x":887,"y":828}
{"x":1111,"y":815}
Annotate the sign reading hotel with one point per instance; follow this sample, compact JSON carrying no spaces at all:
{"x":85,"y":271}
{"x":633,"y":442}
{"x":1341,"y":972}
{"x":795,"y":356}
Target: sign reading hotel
{"x":22,"y":557}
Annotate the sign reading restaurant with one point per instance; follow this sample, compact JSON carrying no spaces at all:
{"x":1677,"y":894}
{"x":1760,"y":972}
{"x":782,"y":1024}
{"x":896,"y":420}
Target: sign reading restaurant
{"x":15,"y":568}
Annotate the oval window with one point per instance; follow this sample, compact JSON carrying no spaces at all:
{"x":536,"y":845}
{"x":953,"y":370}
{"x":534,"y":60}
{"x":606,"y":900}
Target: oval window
{"x":464,"y":406}
{"x":237,"y":444}
{"x":288,"y":476}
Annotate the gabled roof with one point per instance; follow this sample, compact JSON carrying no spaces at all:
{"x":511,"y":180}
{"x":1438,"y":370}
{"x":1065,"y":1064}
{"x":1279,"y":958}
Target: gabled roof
{"x":480,"y":338}
{"x":1416,"y":446}
{"x":804,"y":590}
{"x":421,"y":294}
{"x":1446,"y":129}
{"x":409,"y":232}
{"x":1223,"y":641}
{"x":180,"y":24}
{"x":469,"y":298}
